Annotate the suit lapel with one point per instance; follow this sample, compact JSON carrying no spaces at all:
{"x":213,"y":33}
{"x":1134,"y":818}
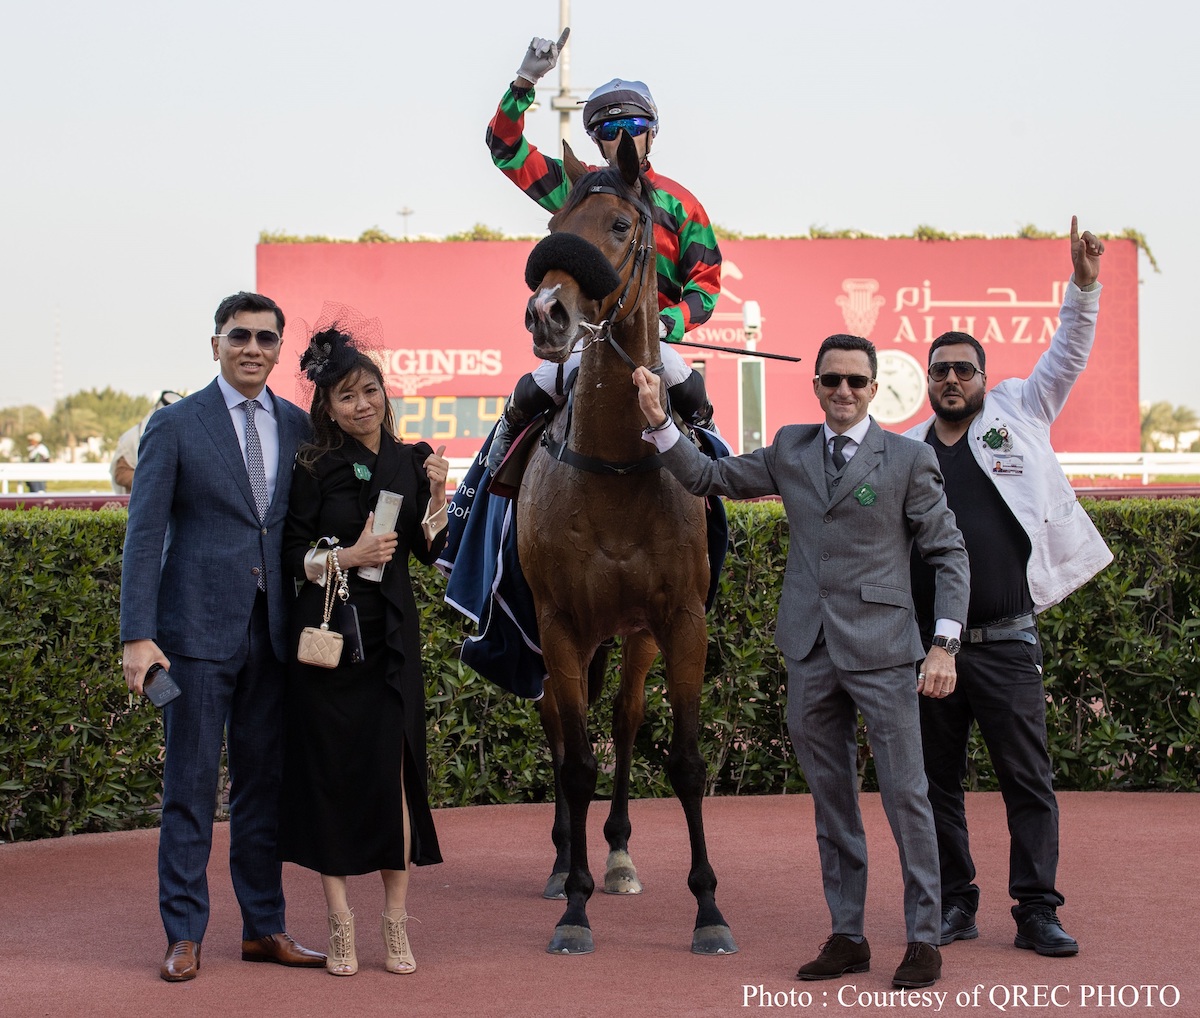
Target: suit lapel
{"x":866,"y":459}
{"x":214,"y":415}
{"x":289,"y":444}
{"x":814,"y":464}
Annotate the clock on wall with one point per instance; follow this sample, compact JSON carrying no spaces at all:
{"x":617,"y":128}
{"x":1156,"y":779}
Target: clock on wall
{"x":902,"y":387}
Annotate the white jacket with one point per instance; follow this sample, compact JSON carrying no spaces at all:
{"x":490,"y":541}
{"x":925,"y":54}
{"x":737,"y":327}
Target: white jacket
{"x":1066,"y":549}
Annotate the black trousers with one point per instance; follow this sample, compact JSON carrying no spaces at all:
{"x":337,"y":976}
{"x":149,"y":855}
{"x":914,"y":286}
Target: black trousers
{"x":1000,"y":687}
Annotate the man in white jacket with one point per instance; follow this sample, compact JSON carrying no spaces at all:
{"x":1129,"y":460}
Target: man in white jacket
{"x":1030,"y":544}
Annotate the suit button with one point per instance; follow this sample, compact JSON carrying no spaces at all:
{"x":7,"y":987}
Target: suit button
{"x":264,"y":531}
{"x":824,"y":593}
{"x":837,"y":481}
{"x":824,"y":556}
{"x":828,"y":519}
{"x":254,"y":571}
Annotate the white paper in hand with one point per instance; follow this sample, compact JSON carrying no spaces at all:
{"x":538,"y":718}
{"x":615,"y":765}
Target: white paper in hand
{"x":387,"y":509}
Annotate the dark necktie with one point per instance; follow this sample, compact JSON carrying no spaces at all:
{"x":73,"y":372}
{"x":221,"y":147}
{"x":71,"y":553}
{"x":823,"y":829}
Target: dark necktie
{"x":258,"y":474}
{"x":839,"y":457}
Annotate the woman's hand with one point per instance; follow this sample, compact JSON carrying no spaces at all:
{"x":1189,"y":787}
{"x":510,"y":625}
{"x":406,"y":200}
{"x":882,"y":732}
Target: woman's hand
{"x":370,"y":549}
{"x":437,"y":467}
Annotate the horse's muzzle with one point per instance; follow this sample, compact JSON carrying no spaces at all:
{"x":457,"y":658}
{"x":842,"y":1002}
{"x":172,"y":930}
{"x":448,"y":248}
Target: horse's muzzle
{"x":550,"y":324}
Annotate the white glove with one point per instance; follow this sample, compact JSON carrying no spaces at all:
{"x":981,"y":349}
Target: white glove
{"x":541,"y":57}
{"x":662,"y":329}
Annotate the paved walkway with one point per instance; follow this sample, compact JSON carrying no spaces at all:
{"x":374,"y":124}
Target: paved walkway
{"x":80,"y":934}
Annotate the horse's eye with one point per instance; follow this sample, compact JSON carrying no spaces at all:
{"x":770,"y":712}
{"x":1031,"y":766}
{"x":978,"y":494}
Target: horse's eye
{"x":622,"y":226}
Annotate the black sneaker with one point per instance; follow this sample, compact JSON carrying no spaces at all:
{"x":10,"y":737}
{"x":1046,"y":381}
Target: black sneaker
{"x":1041,"y":931}
{"x":957,"y":924}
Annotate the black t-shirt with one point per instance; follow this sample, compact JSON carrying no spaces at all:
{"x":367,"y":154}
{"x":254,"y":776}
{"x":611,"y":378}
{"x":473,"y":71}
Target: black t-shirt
{"x":997,"y":545}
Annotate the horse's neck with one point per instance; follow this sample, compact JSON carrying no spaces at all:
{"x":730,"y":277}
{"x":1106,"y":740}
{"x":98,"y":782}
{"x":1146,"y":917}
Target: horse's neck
{"x":607,"y":421}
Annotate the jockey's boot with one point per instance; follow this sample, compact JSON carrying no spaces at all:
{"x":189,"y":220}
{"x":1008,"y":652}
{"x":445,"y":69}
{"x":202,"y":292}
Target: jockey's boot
{"x":527,"y":401}
{"x":689,"y":399}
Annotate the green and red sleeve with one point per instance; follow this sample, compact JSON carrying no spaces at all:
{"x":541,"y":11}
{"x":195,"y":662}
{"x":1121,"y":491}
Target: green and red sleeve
{"x":540,"y":178}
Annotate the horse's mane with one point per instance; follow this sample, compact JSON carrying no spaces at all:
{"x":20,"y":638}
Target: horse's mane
{"x":609,"y":176}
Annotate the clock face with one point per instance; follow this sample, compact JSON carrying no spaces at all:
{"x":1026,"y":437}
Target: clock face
{"x":902,"y":387}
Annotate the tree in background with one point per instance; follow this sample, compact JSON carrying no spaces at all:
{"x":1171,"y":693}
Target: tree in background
{"x":18,"y":421}
{"x":1161,"y":420}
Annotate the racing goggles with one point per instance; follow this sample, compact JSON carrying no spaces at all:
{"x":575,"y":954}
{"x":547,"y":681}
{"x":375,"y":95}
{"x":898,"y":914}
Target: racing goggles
{"x":610,"y":130}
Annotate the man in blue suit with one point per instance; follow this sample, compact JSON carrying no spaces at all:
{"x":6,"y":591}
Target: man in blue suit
{"x":202,"y":583}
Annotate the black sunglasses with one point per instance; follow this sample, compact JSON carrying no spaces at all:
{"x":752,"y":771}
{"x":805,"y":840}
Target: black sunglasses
{"x":963,"y":370}
{"x":831,"y":380}
{"x":267,"y":340}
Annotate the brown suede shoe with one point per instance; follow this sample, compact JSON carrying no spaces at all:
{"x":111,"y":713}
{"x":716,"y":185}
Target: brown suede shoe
{"x":282,"y":950}
{"x":181,"y":962}
{"x":922,"y":966}
{"x":838,"y":955}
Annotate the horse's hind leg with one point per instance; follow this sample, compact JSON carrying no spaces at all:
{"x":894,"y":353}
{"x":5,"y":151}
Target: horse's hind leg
{"x":638,"y":653}
{"x":685,"y":655}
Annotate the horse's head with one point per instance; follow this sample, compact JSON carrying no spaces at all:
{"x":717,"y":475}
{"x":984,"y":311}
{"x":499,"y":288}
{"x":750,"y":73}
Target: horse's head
{"x":597,"y":261}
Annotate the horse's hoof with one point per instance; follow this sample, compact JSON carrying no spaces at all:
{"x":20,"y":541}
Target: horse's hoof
{"x":621,"y":877}
{"x":556,"y":886}
{"x":713,"y":940}
{"x":571,"y":940}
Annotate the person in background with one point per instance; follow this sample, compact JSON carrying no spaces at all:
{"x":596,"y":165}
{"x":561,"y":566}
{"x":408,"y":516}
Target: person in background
{"x":1031,"y":544}
{"x":688,"y":258}
{"x":355,"y":796}
{"x":38,"y":453}
{"x":125,"y":456}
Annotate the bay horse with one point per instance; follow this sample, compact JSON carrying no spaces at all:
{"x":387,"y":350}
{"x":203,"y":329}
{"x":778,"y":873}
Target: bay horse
{"x":609,"y":543}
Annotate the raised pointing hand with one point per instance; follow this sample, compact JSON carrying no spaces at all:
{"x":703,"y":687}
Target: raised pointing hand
{"x":541,"y":57}
{"x":1085,"y":255}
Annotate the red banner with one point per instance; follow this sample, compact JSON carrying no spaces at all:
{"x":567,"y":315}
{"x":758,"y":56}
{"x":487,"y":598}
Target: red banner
{"x":453,"y":322}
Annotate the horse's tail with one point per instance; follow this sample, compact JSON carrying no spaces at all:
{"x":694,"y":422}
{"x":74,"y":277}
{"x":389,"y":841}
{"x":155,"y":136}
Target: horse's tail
{"x":596,"y":672}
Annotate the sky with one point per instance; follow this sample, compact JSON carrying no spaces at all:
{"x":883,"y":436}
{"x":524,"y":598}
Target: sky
{"x":146,"y":144}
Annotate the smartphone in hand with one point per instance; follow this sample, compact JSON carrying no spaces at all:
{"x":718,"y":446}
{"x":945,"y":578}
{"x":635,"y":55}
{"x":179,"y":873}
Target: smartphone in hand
{"x":159,"y":687}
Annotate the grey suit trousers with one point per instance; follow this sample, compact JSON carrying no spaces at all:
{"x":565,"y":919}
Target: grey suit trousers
{"x":823,"y":703}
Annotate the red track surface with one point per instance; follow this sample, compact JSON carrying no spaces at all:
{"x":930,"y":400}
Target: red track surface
{"x":81,"y":936}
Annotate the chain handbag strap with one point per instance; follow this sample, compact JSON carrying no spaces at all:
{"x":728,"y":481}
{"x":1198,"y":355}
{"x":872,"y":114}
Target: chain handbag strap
{"x":335,"y":585}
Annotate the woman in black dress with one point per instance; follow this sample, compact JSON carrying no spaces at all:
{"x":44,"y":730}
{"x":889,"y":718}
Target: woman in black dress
{"x":354,"y":796}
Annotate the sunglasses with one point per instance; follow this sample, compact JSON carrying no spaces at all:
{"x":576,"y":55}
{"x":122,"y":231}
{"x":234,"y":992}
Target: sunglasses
{"x":267,"y":340}
{"x":610,"y":130}
{"x":963,"y":370}
{"x":831,"y":380}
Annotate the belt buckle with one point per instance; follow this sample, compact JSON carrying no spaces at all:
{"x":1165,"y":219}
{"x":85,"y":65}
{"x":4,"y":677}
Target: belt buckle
{"x":975,"y":635}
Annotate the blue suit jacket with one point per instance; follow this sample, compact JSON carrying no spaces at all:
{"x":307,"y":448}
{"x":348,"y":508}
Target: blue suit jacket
{"x":194,"y":536}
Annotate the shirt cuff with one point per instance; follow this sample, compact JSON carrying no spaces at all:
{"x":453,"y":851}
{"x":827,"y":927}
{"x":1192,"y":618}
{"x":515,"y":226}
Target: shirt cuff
{"x":435,"y":521}
{"x":1083,"y":296}
{"x":315,"y":561}
{"x":664,"y":437}
{"x":948,"y":628}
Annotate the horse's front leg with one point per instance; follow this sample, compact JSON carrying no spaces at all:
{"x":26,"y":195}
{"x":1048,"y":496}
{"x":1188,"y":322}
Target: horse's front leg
{"x":629,"y":709}
{"x":560,"y":833}
{"x":685,"y":650}
{"x":573,"y":934}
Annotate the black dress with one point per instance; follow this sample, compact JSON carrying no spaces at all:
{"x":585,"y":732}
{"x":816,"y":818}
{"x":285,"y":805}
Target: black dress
{"x":349,"y":728}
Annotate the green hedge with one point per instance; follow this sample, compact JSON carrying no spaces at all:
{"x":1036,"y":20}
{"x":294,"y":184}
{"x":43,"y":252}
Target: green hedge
{"x":1122,"y":673}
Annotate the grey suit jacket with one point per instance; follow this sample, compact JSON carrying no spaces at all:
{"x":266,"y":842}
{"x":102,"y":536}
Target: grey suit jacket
{"x":848,"y":556}
{"x":194,"y":538}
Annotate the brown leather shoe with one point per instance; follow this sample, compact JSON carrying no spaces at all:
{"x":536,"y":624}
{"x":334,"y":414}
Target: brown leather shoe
{"x":838,"y":955}
{"x":282,"y":950}
{"x":181,"y":962}
{"x":922,"y":966}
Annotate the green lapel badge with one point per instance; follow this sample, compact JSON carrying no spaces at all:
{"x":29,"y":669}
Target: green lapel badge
{"x":865,"y":494}
{"x":362,"y":472}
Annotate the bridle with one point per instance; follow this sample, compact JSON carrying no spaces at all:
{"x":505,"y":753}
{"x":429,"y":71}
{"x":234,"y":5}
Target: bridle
{"x":636,"y":257}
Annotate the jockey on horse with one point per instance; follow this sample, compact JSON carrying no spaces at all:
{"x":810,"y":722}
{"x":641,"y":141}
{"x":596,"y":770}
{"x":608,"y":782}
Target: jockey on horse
{"x":689,"y":261}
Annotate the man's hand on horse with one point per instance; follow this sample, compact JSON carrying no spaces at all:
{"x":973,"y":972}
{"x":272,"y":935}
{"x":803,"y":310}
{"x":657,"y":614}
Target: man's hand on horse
{"x":649,"y":387}
{"x":540,"y":58}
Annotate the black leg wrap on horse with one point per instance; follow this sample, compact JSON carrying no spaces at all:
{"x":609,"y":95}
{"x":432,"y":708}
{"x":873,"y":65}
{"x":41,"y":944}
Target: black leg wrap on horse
{"x":689,"y":399}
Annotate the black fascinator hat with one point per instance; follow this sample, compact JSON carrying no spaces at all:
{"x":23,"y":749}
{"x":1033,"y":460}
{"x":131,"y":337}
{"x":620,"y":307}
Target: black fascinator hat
{"x":338,"y":341}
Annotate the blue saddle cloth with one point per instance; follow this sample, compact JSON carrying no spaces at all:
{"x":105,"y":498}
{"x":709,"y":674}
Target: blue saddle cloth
{"x":486,"y":583}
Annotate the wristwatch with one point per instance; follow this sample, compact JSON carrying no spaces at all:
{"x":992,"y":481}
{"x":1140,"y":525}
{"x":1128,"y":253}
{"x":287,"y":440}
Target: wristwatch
{"x":950,"y":644}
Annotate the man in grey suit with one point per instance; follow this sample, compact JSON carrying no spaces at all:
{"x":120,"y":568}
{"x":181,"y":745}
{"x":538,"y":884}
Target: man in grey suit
{"x":202,"y":583}
{"x":857,"y":498}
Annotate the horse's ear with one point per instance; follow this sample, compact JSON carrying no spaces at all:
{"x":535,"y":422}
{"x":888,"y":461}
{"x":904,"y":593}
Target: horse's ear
{"x":627,"y":160}
{"x":573,"y":168}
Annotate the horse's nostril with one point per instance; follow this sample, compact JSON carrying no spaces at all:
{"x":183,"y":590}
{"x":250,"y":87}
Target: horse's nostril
{"x":559,"y":315}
